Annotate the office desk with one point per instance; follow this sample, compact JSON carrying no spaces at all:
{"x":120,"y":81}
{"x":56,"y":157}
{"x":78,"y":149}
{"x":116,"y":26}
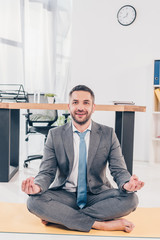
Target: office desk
{"x":10,"y":125}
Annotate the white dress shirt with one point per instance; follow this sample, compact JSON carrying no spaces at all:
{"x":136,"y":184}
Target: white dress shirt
{"x":71,"y":183}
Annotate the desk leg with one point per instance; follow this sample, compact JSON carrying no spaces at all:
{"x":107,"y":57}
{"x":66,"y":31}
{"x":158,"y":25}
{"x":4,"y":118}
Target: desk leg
{"x":9,"y":143}
{"x":124,"y":128}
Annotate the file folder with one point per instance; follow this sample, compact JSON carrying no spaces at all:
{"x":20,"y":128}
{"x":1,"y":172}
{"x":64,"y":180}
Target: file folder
{"x":156,"y":72}
{"x":157,"y":92}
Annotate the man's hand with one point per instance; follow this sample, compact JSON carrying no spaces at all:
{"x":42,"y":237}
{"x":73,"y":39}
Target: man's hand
{"x":134,"y":184}
{"x":29,"y":187}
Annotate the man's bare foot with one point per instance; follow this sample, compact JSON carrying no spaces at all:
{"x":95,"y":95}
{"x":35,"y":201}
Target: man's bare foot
{"x":44,"y":222}
{"x":115,"y":225}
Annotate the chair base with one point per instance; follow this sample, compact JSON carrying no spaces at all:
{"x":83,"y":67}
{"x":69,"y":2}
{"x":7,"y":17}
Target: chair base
{"x":31,"y":158}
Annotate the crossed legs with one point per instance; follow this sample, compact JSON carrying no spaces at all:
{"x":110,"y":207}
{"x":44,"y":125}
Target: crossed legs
{"x":101,"y":212}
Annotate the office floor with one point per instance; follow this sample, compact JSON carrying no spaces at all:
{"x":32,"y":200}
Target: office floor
{"x":11,"y":192}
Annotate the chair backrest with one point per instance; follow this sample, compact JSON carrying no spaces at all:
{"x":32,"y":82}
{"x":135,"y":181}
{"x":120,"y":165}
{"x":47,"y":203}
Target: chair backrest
{"x":38,"y":117}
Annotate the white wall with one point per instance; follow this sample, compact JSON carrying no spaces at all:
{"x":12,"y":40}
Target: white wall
{"x":117,"y":61}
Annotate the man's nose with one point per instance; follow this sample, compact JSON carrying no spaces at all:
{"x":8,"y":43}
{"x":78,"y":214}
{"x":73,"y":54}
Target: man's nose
{"x":80,"y":107}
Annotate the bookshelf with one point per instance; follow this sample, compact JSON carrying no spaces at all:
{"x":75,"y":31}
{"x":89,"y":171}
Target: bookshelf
{"x":156,"y":113}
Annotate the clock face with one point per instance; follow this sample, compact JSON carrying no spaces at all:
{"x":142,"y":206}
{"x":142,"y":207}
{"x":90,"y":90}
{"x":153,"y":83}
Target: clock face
{"x":126,"y":15}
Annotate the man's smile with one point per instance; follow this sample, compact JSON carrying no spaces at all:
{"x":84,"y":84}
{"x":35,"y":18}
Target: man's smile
{"x":80,"y":115}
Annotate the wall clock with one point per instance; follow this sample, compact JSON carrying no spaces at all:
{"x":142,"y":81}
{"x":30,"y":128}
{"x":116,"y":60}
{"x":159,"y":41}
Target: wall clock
{"x":126,"y":15}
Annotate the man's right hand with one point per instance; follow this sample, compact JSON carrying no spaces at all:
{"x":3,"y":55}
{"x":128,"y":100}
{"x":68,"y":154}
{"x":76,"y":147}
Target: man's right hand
{"x":29,"y":187}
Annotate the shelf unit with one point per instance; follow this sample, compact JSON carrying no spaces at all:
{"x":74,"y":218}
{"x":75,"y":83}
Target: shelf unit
{"x":156,"y":114}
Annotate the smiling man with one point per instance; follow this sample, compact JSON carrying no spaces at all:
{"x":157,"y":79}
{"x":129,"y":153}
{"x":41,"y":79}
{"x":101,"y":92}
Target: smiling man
{"x":72,"y":188}
{"x":81,"y":107}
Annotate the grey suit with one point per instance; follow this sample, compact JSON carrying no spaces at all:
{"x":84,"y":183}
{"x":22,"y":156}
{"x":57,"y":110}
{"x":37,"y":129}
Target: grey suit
{"x":104,"y":202}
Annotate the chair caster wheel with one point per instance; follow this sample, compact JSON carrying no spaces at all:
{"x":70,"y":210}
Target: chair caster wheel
{"x":25,"y":165}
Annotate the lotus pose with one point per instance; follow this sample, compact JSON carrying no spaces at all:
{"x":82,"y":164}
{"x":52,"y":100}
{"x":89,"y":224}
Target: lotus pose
{"x":71,"y":187}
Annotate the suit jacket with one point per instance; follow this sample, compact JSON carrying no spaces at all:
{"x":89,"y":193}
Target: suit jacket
{"x":104,"y":148}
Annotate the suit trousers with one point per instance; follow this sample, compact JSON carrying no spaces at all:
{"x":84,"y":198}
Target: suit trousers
{"x":59,"y":206}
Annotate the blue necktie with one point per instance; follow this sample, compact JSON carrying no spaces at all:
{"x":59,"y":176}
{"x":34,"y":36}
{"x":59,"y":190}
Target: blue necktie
{"x":82,"y":172}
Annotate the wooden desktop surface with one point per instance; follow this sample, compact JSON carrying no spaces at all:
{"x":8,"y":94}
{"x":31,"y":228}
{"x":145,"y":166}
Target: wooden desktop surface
{"x":64,"y":106}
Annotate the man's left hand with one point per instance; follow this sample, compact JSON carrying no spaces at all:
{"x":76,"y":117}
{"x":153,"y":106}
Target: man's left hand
{"x":134,"y":184}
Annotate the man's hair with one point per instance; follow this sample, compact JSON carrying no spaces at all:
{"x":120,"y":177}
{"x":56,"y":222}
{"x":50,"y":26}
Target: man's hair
{"x":82,"y":88}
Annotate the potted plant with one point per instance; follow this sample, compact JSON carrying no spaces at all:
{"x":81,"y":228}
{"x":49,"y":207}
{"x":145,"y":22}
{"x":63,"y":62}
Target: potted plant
{"x":50,"y":97}
{"x":62,"y":119}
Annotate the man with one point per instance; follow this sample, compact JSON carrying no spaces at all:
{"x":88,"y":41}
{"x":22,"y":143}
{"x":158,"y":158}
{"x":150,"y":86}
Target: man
{"x":65,"y":192}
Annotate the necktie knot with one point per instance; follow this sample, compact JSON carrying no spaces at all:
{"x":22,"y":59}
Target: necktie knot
{"x":82,"y":134}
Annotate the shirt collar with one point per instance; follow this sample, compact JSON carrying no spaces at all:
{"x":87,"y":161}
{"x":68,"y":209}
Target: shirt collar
{"x":75,"y":129}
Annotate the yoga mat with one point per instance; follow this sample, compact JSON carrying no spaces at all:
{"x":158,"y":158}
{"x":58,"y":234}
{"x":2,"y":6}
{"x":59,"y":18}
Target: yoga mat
{"x":16,"y":218}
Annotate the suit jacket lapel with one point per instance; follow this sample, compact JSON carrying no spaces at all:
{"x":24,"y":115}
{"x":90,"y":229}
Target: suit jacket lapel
{"x":95,"y":137}
{"x":67,"y":136}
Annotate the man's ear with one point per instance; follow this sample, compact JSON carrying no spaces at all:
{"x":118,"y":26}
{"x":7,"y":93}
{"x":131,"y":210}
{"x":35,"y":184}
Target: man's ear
{"x":94,"y":106}
{"x":68,"y":107}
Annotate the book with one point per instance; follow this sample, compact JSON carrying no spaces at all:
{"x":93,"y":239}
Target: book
{"x":157,"y":93}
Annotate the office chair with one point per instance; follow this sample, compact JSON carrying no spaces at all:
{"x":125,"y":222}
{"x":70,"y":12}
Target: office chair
{"x":38,"y":121}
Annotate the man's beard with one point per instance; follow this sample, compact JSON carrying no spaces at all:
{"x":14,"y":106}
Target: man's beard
{"x":81,"y":122}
